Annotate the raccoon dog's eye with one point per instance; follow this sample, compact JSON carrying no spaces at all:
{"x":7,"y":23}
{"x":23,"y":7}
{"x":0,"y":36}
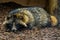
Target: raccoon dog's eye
{"x":8,"y":18}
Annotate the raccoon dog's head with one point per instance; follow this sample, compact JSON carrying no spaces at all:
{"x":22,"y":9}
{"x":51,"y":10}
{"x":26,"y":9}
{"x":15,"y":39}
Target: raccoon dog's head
{"x":16,"y":20}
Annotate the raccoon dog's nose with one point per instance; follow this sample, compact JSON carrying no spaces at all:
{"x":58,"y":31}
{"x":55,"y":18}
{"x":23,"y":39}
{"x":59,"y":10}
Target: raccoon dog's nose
{"x":13,"y":30}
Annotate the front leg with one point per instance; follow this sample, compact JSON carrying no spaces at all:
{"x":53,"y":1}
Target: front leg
{"x":30,"y":26}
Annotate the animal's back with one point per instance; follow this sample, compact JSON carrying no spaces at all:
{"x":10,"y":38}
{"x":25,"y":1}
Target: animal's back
{"x":40,"y":16}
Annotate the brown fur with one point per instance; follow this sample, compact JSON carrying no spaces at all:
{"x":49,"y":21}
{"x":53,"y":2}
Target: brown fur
{"x":27,"y":16}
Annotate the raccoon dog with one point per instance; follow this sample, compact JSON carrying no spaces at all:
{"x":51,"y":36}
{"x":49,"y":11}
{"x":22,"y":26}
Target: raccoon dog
{"x":29,"y":17}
